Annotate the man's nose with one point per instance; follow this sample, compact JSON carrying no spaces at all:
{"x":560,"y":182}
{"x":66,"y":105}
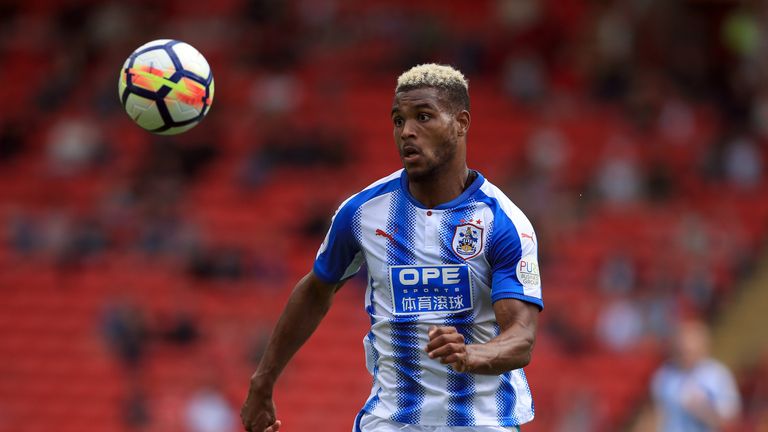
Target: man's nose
{"x":408,"y":131}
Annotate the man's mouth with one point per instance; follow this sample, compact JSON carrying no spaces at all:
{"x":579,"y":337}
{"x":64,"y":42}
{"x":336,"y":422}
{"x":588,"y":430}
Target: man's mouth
{"x":410,"y":153}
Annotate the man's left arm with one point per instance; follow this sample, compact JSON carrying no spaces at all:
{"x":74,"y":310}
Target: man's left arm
{"x":510,"y":350}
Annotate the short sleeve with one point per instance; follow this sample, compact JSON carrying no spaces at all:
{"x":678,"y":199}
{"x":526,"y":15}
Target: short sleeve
{"x":339,"y":256}
{"x":724,"y":392}
{"x":513,"y":257}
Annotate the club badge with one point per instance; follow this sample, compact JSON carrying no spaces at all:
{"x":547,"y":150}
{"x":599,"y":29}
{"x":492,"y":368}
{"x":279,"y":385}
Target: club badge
{"x":467,"y":241}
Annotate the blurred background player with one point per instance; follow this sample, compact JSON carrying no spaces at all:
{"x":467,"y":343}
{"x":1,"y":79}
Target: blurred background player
{"x":693,"y":392}
{"x":454,"y":289}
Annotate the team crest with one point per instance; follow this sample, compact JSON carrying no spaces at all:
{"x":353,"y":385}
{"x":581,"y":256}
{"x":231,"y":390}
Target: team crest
{"x":467,"y":241}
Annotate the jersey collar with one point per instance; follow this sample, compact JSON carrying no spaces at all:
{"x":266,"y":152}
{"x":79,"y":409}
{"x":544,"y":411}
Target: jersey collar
{"x":479,"y":180}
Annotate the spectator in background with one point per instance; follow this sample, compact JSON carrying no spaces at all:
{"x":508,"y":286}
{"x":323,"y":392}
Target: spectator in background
{"x":12,"y":139}
{"x":692,"y":391}
{"x":75,"y":144}
{"x":619,"y":178}
{"x":743,"y":163}
{"x":616,"y":273}
{"x":524,"y":78}
{"x":136,"y":416}
{"x":126,"y":332}
{"x":208,"y":411}
{"x":620,"y":324}
{"x":181,"y":328}
{"x":23,"y":232}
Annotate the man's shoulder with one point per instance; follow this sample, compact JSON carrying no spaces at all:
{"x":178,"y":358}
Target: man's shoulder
{"x":504,"y":207}
{"x":713,"y":368}
{"x":380,"y":187}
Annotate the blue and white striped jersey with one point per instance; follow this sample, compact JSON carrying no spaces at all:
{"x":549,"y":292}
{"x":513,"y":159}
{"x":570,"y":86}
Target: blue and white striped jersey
{"x":673,"y":387}
{"x":439,"y":266}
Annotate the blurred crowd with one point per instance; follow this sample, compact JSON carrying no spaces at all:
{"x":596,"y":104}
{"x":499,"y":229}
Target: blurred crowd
{"x":683,"y":77}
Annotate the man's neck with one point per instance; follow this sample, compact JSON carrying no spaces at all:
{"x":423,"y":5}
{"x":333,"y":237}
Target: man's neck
{"x":441,"y":188}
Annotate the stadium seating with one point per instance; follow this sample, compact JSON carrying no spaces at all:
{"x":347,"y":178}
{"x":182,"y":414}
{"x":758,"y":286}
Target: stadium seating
{"x":58,"y":373}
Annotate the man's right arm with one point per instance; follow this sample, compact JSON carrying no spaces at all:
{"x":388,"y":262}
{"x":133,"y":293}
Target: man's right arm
{"x":307,"y":305}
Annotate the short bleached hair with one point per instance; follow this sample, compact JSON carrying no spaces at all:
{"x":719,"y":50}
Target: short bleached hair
{"x":452,"y":82}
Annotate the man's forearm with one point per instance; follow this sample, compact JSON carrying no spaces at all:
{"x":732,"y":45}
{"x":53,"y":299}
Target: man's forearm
{"x":508,"y":351}
{"x":306,"y":307}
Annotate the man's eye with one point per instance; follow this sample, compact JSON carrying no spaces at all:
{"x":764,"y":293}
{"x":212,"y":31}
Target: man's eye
{"x":424,"y":117}
{"x":397,"y":121}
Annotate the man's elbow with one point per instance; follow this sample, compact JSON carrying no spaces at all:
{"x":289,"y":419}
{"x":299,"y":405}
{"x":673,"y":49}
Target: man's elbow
{"x":524,"y":352}
{"x":524,"y":360}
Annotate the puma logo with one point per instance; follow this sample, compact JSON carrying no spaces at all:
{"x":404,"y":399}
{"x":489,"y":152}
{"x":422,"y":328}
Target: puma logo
{"x":382,"y":233}
{"x":528,"y":236}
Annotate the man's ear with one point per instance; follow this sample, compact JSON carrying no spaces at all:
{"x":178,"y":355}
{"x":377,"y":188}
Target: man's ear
{"x":463,"y":119}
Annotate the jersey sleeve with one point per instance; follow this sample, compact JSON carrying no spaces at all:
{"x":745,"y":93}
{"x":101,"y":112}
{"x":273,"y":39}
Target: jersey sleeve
{"x":724,"y":392}
{"x":339,"y":256}
{"x":513,"y":257}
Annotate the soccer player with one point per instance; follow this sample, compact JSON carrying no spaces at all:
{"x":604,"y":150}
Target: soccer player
{"x":454,"y":290}
{"x":694,"y":392}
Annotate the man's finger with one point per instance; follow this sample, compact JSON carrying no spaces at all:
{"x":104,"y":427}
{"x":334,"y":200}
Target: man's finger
{"x":431,"y":330}
{"x":435,"y":331}
{"x":452,"y":359}
{"x":460,"y":365}
{"x":443,"y":350}
{"x":444,"y":340}
{"x":447,"y":349}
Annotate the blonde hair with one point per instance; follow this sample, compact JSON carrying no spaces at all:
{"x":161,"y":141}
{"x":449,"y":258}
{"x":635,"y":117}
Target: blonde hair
{"x":439,"y":76}
{"x":431,"y":75}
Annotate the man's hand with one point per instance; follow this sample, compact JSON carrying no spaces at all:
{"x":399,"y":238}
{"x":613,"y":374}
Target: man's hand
{"x":510,"y":350}
{"x":447,"y":345}
{"x":694,"y":400}
{"x":258,"y":412}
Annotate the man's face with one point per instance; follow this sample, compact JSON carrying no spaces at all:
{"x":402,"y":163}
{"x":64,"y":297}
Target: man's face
{"x":425,"y":131}
{"x":691,"y":344}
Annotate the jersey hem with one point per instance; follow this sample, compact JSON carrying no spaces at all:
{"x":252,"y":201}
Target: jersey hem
{"x":488,"y":422}
{"x":322,"y":276}
{"x":533,"y":300}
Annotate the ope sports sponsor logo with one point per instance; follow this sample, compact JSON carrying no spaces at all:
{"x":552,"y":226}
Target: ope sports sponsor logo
{"x":430,"y":289}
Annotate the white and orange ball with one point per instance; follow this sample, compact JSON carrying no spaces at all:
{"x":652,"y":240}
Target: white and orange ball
{"x":166,"y":86}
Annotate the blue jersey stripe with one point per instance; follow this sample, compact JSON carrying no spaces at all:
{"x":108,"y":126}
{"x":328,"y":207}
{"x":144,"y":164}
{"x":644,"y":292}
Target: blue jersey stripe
{"x":374,"y":400}
{"x":409,"y":389}
{"x":506,"y":398}
{"x":460,"y":386}
{"x":358,"y":418}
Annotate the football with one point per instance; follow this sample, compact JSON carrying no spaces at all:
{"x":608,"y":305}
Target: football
{"x":166,"y":86}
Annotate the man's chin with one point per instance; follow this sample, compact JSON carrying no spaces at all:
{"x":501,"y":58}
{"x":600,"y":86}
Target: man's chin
{"x":417,"y":173}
